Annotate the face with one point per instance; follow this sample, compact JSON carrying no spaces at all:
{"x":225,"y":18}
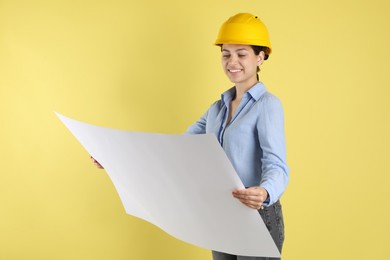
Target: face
{"x":240,"y":64}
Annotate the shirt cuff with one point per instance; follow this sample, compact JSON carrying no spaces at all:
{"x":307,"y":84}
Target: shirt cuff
{"x":266,"y":202}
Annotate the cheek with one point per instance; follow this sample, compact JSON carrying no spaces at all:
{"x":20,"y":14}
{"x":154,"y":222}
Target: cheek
{"x":223,"y":63}
{"x":254,"y":64}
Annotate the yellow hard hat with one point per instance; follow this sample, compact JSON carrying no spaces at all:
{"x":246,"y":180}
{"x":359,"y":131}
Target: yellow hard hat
{"x":244,"y":28}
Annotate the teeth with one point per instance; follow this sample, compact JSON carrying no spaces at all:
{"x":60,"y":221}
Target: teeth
{"x":234,"y":70}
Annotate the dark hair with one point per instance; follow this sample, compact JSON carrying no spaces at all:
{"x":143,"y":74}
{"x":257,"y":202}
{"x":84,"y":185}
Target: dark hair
{"x":257,"y":50}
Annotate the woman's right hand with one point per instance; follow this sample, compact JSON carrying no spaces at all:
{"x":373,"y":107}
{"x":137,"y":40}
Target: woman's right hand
{"x":96,"y":163}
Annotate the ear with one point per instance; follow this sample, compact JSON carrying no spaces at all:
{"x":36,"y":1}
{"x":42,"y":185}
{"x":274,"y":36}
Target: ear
{"x":260,"y":58}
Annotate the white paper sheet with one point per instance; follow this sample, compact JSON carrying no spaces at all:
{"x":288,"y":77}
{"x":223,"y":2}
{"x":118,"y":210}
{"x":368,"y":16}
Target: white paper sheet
{"x":180,"y":183}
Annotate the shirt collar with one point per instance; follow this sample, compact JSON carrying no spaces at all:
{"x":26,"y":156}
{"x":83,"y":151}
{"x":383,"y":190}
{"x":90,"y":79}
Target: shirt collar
{"x":255,"y":92}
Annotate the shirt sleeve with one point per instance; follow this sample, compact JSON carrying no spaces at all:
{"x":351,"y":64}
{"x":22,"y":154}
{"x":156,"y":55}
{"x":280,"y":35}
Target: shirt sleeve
{"x":199,"y":127}
{"x":275,"y":172}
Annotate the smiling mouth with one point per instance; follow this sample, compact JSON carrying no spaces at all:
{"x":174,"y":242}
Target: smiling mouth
{"x":234,"y":71}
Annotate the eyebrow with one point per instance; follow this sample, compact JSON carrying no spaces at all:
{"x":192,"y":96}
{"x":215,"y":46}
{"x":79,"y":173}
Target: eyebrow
{"x":241,"y":49}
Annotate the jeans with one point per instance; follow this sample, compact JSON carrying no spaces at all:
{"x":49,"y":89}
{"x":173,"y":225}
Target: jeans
{"x":273,"y":219}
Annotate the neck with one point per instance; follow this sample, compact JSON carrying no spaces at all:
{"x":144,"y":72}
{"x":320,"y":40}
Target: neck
{"x":241,"y":89}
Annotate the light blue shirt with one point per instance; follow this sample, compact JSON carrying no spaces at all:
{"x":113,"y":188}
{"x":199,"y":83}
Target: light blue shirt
{"x":253,"y":140}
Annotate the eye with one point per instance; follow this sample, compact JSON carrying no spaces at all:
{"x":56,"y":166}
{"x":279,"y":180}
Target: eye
{"x":225,"y":56}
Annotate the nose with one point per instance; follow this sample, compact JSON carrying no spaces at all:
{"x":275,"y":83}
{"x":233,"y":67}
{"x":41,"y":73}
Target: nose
{"x":232,"y":59}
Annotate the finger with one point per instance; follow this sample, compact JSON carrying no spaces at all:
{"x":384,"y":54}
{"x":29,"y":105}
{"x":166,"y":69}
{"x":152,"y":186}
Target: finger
{"x":249,"y":191}
{"x":96,"y":163}
{"x":251,"y":200}
{"x":255,"y":197}
{"x":248,"y":198}
{"x":99,"y":165}
{"x":243,"y":191}
{"x":252,"y":205}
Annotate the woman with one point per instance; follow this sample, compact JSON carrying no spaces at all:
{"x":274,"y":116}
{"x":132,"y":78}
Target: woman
{"x":249,"y":124}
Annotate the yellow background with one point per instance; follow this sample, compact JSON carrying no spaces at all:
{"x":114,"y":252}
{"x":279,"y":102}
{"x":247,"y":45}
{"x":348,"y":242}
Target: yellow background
{"x":150,"y":66}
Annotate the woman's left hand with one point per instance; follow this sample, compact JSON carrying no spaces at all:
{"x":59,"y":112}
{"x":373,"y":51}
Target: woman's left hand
{"x":252,"y":197}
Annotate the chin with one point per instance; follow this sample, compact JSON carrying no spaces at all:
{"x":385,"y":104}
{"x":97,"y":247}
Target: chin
{"x":234,"y":80}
